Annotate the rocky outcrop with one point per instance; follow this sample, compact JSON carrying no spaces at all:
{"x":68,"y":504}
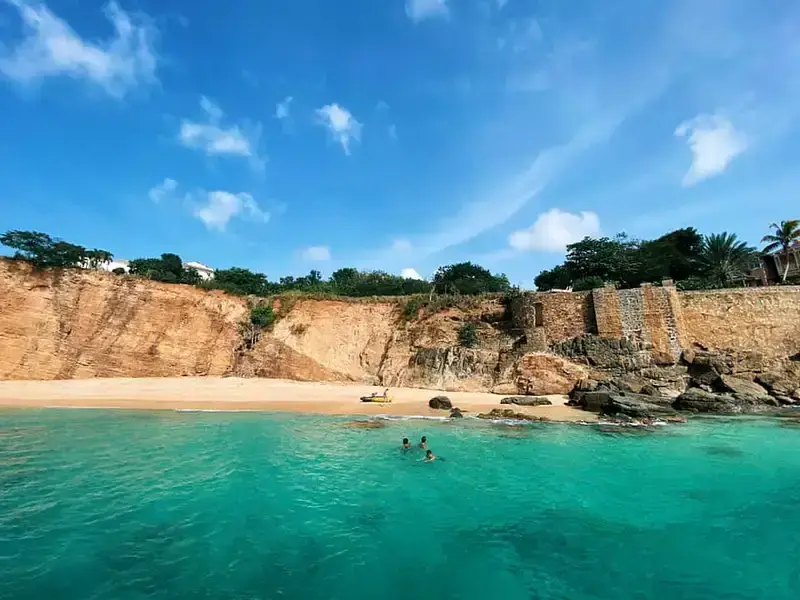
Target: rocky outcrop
{"x":526,"y":401}
{"x":701,"y":401}
{"x":440,"y":403}
{"x":456,"y":414}
{"x":510,"y":414}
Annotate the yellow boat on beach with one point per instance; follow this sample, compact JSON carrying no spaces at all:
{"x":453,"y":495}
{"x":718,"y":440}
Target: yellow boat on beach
{"x":384,"y":398}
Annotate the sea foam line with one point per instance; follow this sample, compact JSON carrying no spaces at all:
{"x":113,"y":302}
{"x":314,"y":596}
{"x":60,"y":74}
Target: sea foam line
{"x":71,"y":407}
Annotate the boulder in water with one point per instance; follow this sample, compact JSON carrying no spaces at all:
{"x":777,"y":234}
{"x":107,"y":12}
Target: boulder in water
{"x":456,"y":414}
{"x":440,"y":403}
{"x":508,"y":413}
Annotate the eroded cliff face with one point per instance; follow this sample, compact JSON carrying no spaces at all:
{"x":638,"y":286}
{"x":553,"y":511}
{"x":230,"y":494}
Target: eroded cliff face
{"x":83,"y":324}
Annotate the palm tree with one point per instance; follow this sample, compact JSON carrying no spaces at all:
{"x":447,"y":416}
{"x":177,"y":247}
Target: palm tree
{"x":724,"y":258}
{"x":786,"y":235}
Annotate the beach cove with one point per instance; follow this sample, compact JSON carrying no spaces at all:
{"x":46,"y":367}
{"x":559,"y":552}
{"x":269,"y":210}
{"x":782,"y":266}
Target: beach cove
{"x":235,"y":394}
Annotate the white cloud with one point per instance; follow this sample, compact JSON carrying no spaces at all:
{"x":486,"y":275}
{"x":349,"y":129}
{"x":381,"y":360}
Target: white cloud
{"x":393,"y":131}
{"x":216,"y":139}
{"x":50,"y":47}
{"x":714,"y":143}
{"x":282,"y":108}
{"x":401,"y":245}
{"x":221,"y":206}
{"x":554,"y":230}
{"x":410,"y":273}
{"x":317,"y":253}
{"x":341,"y":124}
{"x":163,"y":190}
{"x":501,"y":3}
{"x":419,"y":10}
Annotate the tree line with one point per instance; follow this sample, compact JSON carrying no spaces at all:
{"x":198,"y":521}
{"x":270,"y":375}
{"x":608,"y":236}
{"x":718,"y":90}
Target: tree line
{"x":692,"y":260}
{"x":465,"y":278}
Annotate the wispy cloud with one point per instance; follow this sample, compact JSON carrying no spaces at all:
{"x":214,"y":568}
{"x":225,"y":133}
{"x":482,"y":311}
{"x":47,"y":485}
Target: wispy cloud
{"x":218,"y":208}
{"x":341,"y":125}
{"x":215,"y":139}
{"x":554,"y":230}
{"x":392,"y":131}
{"x":714,"y":143}
{"x":316,"y":254}
{"x":419,"y":10}
{"x":50,"y":47}
{"x":163,"y":190}
{"x":282,"y":108}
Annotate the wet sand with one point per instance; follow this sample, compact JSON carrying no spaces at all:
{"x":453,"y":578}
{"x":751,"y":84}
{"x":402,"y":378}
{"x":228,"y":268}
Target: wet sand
{"x":233,"y":394}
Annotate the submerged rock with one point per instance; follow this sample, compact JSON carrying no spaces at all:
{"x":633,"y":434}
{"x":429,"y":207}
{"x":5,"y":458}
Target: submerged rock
{"x":508,"y":413}
{"x":365,"y":424}
{"x":526,"y":401}
{"x":440,"y":403}
{"x":456,"y":414}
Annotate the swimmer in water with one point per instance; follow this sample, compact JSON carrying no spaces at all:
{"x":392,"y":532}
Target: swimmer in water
{"x":424,"y":443}
{"x":430,"y":456}
{"x":406,"y":445}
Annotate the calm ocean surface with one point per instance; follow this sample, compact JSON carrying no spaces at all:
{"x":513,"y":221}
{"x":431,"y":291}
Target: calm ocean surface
{"x":102,"y":505}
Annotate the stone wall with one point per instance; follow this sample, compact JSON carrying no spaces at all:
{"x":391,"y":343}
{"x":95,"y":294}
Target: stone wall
{"x":547,"y":317}
{"x":764,"y":319}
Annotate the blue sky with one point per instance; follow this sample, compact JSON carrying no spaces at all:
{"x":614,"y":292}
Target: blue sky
{"x":286,"y":135}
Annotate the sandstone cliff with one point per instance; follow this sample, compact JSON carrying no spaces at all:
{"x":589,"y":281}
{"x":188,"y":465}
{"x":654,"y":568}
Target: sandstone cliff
{"x":82,"y":324}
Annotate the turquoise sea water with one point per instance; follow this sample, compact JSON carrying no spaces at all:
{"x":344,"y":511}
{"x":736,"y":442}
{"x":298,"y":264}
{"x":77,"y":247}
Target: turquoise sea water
{"x":101,"y":505}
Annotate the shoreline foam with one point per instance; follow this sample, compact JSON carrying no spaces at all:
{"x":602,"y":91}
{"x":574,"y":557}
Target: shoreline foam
{"x":218,"y":394}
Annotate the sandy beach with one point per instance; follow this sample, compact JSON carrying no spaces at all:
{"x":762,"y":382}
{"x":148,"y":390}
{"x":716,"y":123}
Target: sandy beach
{"x":213,"y":393}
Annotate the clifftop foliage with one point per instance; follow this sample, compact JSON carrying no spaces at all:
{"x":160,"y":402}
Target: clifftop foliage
{"x":683,"y":255}
{"x":465,"y":279}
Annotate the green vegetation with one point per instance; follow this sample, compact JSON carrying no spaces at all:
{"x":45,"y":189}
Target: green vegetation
{"x":468,"y":279}
{"x":691,"y":260}
{"x":42,"y":251}
{"x":169,"y":269}
{"x":261,"y":315}
{"x":784,"y":236}
{"x":468,"y":335}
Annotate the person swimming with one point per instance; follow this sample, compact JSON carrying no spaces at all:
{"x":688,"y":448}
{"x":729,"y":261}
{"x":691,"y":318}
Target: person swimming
{"x":430,"y":456}
{"x":406,"y":444}
{"x":424,"y":442}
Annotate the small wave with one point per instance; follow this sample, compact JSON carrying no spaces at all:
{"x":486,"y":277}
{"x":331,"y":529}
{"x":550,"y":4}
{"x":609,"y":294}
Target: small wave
{"x":217,"y":410}
{"x":70,"y":407}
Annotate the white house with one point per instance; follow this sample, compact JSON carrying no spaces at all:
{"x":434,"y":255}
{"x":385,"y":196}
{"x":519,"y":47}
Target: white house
{"x":205,"y":272}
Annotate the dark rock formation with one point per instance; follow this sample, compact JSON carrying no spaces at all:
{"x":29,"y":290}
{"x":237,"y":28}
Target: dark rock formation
{"x":526,"y":401}
{"x":741,"y":387}
{"x":777,"y":384}
{"x":637,"y":406}
{"x":617,"y":355}
{"x":456,"y":414}
{"x":697,"y":400}
{"x":507,"y":413}
{"x":440,"y":403}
